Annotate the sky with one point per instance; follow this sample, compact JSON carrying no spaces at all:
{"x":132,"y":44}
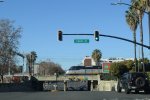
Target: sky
{"x":41,"y":20}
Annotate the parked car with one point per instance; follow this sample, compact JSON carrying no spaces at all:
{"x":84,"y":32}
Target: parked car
{"x":133,"y":81}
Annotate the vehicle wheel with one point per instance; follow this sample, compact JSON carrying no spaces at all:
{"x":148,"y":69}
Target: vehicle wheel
{"x":140,"y":82}
{"x":127,"y":91}
{"x":118,"y":88}
{"x":146,"y":91}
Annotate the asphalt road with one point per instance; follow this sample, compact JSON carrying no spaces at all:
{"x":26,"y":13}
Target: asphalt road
{"x":72,"y":95}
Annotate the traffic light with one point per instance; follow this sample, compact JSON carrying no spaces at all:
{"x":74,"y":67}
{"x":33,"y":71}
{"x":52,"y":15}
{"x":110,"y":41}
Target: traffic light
{"x":96,"y":36}
{"x":60,"y":35}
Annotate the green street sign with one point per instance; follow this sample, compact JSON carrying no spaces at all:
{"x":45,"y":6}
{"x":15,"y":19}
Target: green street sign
{"x":81,"y":40}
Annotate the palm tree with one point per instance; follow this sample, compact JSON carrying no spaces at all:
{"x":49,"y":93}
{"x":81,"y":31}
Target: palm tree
{"x":96,"y":55}
{"x":132,"y":21}
{"x":148,"y":10}
{"x":31,"y":58}
{"x":139,"y":7}
{"x":28,"y":57}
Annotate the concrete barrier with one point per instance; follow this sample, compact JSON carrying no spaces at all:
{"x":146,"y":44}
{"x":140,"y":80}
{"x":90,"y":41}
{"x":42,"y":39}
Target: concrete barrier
{"x":16,"y":87}
{"x":31,"y":85}
{"x":107,"y":85}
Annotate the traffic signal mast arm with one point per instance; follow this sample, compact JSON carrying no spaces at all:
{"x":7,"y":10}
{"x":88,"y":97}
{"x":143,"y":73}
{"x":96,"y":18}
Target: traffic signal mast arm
{"x":110,"y":36}
{"x":148,"y":47}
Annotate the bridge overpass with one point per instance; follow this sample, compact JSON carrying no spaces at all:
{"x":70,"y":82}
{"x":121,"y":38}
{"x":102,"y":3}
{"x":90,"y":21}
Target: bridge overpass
{"x":68,"y":77}
{"x":69,"y":82}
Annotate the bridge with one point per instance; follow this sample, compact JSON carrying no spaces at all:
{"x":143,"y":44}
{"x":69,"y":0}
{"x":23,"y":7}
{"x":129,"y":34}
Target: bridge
{"x":68,"y":77}
{"x":69,"y":82}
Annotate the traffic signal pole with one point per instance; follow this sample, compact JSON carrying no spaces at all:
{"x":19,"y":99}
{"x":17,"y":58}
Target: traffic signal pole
{"x":115,"y":37}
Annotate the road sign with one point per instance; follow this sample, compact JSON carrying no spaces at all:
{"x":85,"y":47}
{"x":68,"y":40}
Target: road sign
{"x":106,"y":67}
{"x":81,"y":41}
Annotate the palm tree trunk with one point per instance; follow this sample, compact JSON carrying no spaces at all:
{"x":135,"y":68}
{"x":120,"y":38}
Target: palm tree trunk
{"x":135,"y":58}
{"x":30,"y":74}
{"x":141,"y":39}
{"x":33,"y":68}
{"x":29,"y":70}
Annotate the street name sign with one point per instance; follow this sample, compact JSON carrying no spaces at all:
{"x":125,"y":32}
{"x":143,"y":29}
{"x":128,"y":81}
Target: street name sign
{"x":81,"y":41}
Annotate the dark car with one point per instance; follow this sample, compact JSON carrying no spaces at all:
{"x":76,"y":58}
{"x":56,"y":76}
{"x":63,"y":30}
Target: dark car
{"x":133,"y":81}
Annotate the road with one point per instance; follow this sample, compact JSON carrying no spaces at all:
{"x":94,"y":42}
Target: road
{"x":69,"y":95}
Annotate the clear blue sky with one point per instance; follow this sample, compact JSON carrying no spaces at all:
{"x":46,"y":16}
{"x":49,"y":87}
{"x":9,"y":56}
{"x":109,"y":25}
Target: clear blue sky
{"x":41,"y":19}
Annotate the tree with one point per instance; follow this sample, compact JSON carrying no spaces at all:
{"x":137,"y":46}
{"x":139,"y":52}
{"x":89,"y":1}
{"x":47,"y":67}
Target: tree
{"x":139,"y":7}
{"x":146,"y":60}
{"x":147,"y":3}
{"x":118,"y":68}
{"x":49,"y":68}
{"x":28,"y":57}
{"x":141,"y":62}
{"x":9,"y":40}
{"x":16,"y":69}
{"x":31,"y":58}
{"x":129,"y":64}
{"x":96,"y":55}
{"x":132,"y":21}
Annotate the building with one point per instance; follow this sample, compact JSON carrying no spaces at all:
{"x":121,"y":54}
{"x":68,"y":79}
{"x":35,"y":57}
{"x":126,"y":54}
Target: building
{"x":88,"y":61}
{"x":114,"y":59}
